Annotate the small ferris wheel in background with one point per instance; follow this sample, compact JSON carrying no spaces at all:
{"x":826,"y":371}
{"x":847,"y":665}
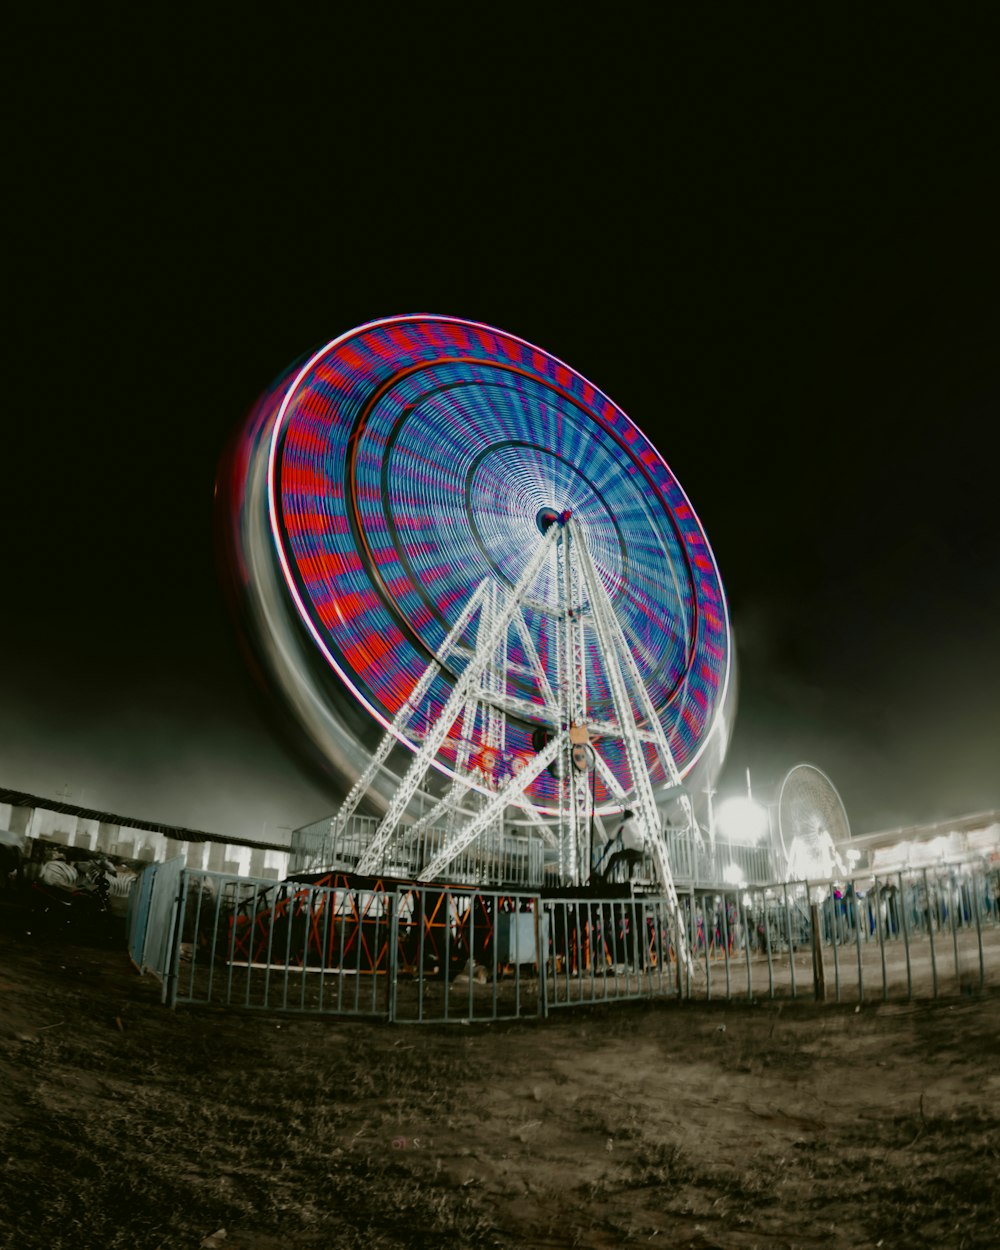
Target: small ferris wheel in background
{"x":812,"y":824}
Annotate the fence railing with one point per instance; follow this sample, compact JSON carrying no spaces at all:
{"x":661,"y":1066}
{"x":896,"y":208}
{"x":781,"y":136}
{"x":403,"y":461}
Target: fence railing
{"x":907,"y":934}
{"x":605,"y":950}
{"x":509,"y":857}
{"x":251,"y":943}
{"x":498,"y":856}
{"x":465,"y":954}
{"x":694,"y":864}
{"x":425,"y":953}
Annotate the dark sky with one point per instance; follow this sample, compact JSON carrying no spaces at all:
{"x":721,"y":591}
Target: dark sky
{"x":772,"y":239}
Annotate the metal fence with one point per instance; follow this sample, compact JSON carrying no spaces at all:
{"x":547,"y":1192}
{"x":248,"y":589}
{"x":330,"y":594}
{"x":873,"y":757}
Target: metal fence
{"x":251,"y":943}
{"x":499,"y":855}
{"x":326,"y":844}
{"x":700,"y":863}
{"x":415,"y":953}
{"x":428,"y":953}
{"x":910,"y":934}
{"x":919,"y":934}
{"x":604,"y":950}
{"x":508,"y":856}
{"x":465,"y":954}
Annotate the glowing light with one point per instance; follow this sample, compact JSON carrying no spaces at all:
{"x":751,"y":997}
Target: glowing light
{"x":742,"y":820}
{"x":813,"y":856}
{"x":732,"y":874}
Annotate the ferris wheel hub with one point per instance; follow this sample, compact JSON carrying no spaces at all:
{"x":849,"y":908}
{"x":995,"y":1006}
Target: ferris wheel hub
{"x":547,"y":517}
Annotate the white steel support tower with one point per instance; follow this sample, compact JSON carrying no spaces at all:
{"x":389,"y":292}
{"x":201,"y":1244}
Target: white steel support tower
{"x":570,"y":737}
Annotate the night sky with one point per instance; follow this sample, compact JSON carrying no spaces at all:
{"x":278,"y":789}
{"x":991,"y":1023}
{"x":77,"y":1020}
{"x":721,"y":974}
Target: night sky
{"x":771,"y":239}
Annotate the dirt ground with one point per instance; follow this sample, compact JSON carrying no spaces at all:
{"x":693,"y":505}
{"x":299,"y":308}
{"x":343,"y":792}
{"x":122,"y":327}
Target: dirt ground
{"x":123,"y":1124}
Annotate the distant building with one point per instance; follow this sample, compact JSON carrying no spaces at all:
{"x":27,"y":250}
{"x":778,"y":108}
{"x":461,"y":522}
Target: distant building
{"x":958,"y":839}
{"x":40,"y":821}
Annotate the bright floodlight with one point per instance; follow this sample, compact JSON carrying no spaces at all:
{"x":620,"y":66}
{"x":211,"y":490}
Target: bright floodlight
{"x":732,"y":874}
{"x":742,"y":820}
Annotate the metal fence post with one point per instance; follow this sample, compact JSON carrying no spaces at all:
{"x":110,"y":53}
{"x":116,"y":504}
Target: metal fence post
{"x":979,"y":931}
{"x":954,"y":888}
{"x":725,"y":944}
{"x":745,"y":928}
{"x":819,"y":972}
{"x":857,"y":939}
{"x":880,"y":929}
{"x":173,"y":960}
{"x":392,"y":971}
{"x":836,"y":916}
{"x":930,"y":934}
{"x":767,"y":945}
{"x":905,"y":926}
{"x":791,"y":942}
{"x":542,"y":955}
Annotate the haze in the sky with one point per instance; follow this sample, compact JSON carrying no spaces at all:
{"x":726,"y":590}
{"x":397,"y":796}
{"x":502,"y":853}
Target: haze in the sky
{"x":775,"y":248}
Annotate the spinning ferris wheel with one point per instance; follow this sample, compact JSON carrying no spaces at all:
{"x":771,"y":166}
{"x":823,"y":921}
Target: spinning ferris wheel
{"x":462,"y":561}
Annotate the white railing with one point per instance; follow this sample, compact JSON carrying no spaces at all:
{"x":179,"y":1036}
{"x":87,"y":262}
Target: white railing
{"x":497,"y":857}
{"x":503,"y":857}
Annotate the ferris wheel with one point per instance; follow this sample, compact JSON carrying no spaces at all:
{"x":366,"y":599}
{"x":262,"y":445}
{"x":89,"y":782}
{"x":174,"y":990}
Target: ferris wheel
{"x":447,"y":536}
{"x":812,"y":823}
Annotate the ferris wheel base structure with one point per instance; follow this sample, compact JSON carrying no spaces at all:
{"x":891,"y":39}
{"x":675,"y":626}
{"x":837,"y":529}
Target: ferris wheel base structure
{"x":485,"y":599}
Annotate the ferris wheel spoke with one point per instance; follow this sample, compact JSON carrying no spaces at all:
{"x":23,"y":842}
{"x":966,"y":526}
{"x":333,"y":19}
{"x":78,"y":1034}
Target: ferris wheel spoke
{"x":516,"y":785}
{"x":608,"y":777}
{"x":435,"y":737}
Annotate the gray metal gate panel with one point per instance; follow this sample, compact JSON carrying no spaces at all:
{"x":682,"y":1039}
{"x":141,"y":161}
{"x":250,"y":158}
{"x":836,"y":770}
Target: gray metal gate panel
{"x":464,"y":954}
{"x":609,"y":950}
{"x":907,"y":934}
{"x":282,"y":946}
{"x":137,"y":915}
{"x":156,"y":948}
